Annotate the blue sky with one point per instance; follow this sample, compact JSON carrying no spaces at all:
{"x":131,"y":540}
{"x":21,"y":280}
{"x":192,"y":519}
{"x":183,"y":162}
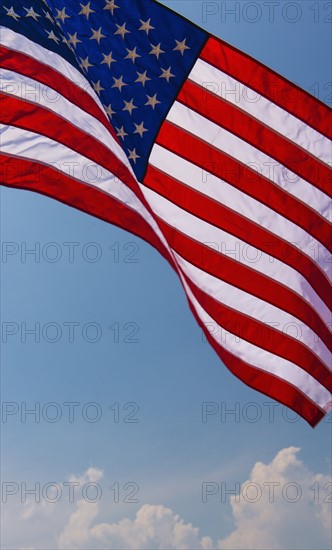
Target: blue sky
{"x":153,"y":362}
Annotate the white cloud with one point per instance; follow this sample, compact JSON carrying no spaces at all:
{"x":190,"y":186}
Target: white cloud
{"x":276,"y":509}
{"x":77,"y":532}
{"x":279,"y":507}
{"x":91,"y":475}
{"x":304,"y":523}
{"x":154,"y":527}
{"x":258,"y":522}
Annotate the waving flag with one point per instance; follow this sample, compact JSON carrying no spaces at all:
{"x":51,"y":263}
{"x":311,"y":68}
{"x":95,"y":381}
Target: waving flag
{"x":129,"y":112}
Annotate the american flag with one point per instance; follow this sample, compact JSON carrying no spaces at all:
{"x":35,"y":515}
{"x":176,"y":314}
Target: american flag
{"x":131,"y":113}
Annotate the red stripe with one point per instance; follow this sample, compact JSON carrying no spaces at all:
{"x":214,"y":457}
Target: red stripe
{"x":256,"y":134}
{"x":211,"y":160}
{"x":266,"y":383}
{"x":29,"y":67}
{"x":269,"y":84}
{"x":34,"y":176}
{"x":221,"y":216}
{"x":263,"y":336}
{"x":245,"y":278}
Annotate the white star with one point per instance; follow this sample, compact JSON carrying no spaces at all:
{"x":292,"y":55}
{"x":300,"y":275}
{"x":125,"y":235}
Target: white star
{"x":133,"y":156}
{"x":166,"y":73}
{"x":146,"y":26}
{"x":118,"y":83}
{"x":86,"y":10}
{"x":97,"y":35}
{"x":109,"y":110}
{"x":85,"y":63}
{"x":181,"y":46}
{"x":132,"y":54}
{"x":31,"y":13}
{"x":11,"y":13}
{"x":73,"y":39}
{"x":110,"y":5}
{"x":152,"y":101}
{"x":142,"y":78}
{"x":108,"y":59}
{"x":121,"y":30}
{"x":62,"y":15}
{"x":51,"y":36}
{"x":156,"y":50}
{"x":97,"y":87}
{"x":140,"y":129}
{"x":48,"y":16}
{"x":120,"y":132}
{"x":129,"y":106}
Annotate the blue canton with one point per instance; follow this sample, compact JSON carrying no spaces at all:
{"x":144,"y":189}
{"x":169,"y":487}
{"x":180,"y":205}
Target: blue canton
{"x":136,"y":55}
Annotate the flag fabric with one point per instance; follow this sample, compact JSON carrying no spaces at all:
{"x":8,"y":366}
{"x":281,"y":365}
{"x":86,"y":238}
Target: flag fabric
{"x":131,"y":113}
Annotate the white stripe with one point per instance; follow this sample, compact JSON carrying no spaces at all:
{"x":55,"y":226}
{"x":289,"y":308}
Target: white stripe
{"x":34,"y":92}
{"x":256,"y":309}
{"x":242,"y":151}
{"x":262,"y":359}
{"x":224,"y":193}
{"x":243,"y":97}
{"x":20,"y":43}
{"x":208,"y":234}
